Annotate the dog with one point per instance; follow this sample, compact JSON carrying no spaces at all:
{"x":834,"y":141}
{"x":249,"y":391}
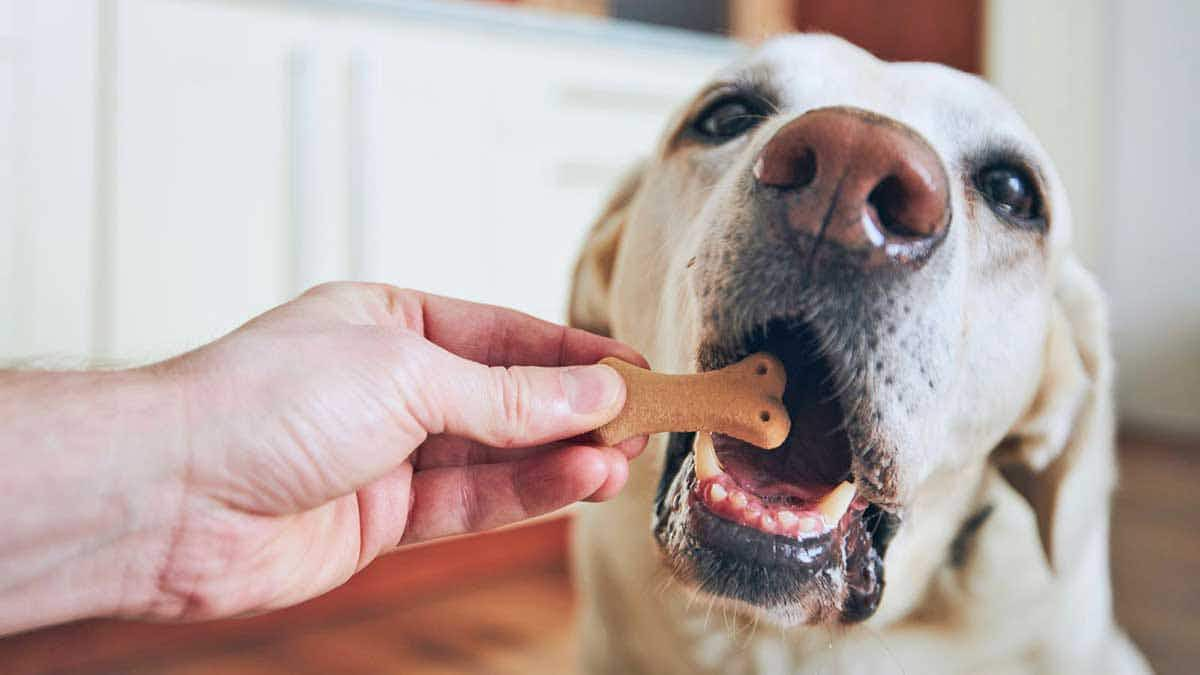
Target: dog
{"x":896,"y":235}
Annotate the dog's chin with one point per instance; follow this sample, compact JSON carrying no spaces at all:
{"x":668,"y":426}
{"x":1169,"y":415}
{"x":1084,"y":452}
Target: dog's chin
{"x":786,"y":535}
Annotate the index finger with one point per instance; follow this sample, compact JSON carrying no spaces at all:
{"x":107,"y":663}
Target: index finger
{"x":498,"y":336}
{"x":494,"y":336}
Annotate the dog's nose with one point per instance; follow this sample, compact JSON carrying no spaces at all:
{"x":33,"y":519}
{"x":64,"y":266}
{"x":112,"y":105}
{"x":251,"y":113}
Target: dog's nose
{"x":858,"y":180}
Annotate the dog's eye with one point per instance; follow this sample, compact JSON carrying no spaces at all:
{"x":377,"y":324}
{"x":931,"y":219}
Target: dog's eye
{"x":1010,"y":191}
{"x":726,"y":118}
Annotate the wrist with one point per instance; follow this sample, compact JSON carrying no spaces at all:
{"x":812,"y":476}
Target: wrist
{"x":97,"y":490}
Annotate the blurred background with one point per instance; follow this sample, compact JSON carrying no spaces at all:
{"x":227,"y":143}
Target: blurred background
{"x":169,"y":168}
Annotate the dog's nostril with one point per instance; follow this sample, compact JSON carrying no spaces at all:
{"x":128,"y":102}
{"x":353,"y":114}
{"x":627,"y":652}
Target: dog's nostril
{"x":764,"y":416}
{"x":804,"y":168}
{"x":761,"y":370}
{"x":790,"y":169}
{"x":893,"y":203}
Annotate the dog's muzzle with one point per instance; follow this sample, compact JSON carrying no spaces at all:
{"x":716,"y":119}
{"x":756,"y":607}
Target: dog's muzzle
{"x":841,"y":203}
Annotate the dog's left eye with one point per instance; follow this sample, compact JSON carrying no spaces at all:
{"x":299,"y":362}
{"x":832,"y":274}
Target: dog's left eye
{"x":1010,"y":192}
{"x":726,"y":118}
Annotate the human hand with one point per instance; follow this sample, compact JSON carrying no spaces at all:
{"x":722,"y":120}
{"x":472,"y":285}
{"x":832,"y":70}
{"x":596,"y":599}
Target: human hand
{"x":358,"y":417}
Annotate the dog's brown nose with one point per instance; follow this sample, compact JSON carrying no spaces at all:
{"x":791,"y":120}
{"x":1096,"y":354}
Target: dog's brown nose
{"x":861,"y":181}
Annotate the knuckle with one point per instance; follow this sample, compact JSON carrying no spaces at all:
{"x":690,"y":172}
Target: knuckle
{"x":389,"y":304}
{"x":513,"y":413}
{"x":403,"y":305}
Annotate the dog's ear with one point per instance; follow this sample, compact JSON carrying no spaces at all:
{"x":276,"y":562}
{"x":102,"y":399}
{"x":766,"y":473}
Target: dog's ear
{"x":588,"y":306}
{"x":1060,"y":456}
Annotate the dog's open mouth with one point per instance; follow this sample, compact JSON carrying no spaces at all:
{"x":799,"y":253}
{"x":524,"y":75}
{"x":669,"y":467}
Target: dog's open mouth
{"x":783,"y":529}
{"x":800,"y":489}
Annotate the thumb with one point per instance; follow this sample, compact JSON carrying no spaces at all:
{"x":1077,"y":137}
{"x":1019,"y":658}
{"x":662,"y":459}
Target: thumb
{"x":522,"y":406}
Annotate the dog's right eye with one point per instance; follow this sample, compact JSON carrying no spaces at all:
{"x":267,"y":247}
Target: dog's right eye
{"x":727,"y":118}
{"x":1012,"y":194}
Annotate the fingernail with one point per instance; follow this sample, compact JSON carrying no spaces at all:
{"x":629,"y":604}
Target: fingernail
{"x":591,"y":388}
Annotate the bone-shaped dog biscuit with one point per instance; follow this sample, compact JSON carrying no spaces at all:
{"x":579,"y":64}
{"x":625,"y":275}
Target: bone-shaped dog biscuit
{"x":743,"y":400}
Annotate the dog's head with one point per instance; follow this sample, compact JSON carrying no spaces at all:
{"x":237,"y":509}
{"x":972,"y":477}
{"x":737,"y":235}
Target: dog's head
{"x":897,"y":237}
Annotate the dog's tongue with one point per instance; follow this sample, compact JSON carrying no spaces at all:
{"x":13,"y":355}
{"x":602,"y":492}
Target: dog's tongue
{"x":767,"y":473}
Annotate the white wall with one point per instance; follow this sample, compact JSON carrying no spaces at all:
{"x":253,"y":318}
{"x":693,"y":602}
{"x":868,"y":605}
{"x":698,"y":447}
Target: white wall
{"x":1113,"y":90}
{"x":1152,"y":265}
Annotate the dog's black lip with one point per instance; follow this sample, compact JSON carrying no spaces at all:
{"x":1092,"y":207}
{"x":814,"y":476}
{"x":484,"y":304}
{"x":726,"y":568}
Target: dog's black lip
{"x":679,"y":446}
{"x":804,"y":556}
{"x":882,"y":522}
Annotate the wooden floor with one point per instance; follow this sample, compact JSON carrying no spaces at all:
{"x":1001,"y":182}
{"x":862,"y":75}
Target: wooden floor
{"x":513,"y":614}
{"x":519,"y":625}
{"x":1156,"y":550}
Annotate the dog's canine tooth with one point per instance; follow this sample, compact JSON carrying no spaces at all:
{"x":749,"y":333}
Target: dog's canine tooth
{"x":788,"y":520}
{"x":717,"y":493}
{"x":833,"y":505}
{"x":707,"y":465}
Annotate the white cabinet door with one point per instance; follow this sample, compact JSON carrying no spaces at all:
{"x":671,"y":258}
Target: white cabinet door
{"x":48,"y":83}
{"x":200,"y":210}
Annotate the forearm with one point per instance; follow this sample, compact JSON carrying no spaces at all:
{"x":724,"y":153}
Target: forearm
{"x":88,"y":491}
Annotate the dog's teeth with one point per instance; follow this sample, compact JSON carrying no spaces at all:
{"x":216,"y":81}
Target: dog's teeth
{"x":833,"y":506}
{"x":810,"y":524}
{"x":717,"y":493}
{"x":767,"y":522}
{"x":707,"y":465}
{"x":788,"y":520}
{"x":738,"y":499}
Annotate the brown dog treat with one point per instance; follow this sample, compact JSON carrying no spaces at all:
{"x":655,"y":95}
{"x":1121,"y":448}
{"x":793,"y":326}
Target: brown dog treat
{"x":743,"y":400}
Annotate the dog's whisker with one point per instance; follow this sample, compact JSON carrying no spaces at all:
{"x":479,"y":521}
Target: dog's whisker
{"x":712,"y":601}
{"x":830,"y":650}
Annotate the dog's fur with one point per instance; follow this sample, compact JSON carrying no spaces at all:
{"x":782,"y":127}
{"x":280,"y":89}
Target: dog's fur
{"x":991,"y":400}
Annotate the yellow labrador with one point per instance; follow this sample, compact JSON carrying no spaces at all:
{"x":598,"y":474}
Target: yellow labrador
{"x":894,"y":233}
